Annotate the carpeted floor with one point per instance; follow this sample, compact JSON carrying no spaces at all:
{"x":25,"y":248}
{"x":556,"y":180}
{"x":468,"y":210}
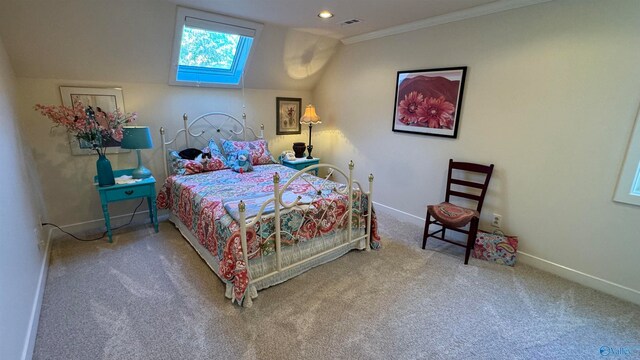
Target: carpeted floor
{"x":149,"y":296}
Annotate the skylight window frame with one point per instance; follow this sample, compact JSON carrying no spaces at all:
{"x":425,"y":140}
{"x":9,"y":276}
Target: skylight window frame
{"x":211,"y":77}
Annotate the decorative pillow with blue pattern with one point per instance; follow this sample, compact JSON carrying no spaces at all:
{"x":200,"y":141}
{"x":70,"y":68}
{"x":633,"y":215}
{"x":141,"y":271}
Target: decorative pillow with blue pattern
{"x":258,"y":149}
{"x":214,"y":149}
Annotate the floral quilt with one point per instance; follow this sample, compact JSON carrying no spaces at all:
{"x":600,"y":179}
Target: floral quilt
{"x":199,"y":202}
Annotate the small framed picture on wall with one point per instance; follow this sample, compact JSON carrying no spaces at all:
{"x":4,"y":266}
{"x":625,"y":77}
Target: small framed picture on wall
{"x":428,"y":101}
{"x":288,"y":113}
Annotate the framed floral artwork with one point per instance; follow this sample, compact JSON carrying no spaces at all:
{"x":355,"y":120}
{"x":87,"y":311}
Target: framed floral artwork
{"x":428,"y":101}
{"x":288,"y":113}
{"x":104,"y":100}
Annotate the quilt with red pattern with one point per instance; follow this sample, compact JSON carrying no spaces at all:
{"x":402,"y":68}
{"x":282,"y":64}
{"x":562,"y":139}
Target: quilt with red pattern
{"x":199,"y":202}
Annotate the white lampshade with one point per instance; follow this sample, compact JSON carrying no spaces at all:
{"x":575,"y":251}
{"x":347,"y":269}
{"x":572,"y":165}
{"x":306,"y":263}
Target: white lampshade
{"x":310,"y":116}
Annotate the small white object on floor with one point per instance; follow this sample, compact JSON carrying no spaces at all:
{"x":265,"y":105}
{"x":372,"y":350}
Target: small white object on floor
{"x":126,"y":179}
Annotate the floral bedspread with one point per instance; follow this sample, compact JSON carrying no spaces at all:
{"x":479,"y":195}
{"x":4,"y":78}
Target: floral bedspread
{"x":199,"y":202}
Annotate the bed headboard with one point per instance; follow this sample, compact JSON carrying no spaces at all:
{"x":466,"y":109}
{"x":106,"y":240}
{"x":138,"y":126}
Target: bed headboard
{"x":213,"y":125}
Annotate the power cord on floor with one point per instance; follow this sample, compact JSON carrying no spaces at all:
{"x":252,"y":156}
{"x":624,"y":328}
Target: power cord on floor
{"x":104,"y":233}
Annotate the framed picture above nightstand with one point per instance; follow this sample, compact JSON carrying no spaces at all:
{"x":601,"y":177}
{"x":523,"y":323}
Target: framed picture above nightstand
{"x":302,"y":163}
{"x":288,"y":111}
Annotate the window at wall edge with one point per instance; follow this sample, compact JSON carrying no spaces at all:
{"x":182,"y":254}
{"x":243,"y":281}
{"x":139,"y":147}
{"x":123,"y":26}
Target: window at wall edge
{"x":235,"y":38}
{"x":628,"y":187}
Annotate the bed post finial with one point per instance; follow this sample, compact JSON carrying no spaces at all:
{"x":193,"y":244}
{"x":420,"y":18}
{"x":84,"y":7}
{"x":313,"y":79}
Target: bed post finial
{"x":351,"y":165}
{"x":164,"y":152}
{"x":276,"y":178}
{"x":185,"y":120}
{"x":244,"y":123}
{"x":370,"y":177}
{"x":241,"y":206}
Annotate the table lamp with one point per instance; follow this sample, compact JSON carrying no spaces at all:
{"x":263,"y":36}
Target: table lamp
{"x":310,"y":117}
{"x":136,"y":138}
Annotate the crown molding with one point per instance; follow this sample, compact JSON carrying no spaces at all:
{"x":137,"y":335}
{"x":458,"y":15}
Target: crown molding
{"x":481,"y":10}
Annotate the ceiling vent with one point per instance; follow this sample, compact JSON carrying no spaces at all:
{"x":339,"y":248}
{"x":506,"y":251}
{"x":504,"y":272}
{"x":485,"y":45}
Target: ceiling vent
{"x":350,"y":22}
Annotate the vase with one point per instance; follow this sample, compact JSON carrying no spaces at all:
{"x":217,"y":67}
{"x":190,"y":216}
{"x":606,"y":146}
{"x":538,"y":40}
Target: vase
{"x":105,"y":172}
{"x":298,"y":149}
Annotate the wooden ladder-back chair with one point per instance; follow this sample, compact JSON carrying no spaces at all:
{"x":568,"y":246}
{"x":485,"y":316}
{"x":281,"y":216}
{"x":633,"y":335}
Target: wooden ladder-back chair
{"x":454,"y":217}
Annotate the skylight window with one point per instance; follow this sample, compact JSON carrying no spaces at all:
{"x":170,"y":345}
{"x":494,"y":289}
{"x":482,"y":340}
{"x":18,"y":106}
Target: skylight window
{"x":211,"y":49}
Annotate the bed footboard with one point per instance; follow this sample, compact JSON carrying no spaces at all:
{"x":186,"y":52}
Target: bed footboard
{"x":280,"y":206}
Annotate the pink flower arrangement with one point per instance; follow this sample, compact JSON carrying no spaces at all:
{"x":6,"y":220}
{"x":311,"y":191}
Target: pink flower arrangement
{"x":429,"y":112}
{"x":94,"y":127}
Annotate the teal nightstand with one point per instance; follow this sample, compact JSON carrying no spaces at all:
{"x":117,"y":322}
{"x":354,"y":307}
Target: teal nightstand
{"x":144,"y":188}
{"x":302,"y":163}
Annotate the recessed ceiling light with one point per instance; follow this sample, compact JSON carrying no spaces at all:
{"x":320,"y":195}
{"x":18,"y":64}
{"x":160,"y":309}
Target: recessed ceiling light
{"x":325,"y":14}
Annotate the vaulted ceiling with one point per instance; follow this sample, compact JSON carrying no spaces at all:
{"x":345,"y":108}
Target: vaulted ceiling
{"x":131,"y":41}
{"x":302,"y":14}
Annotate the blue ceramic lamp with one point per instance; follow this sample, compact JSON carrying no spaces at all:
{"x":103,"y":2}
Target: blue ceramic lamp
{"x":137,"y":138}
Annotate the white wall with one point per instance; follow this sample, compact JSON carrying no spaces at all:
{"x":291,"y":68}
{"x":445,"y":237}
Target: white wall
{"x":67,"y":180}
{"x":550,"y":99}
{"x":131,"y":41}
{"x":20,"y":258}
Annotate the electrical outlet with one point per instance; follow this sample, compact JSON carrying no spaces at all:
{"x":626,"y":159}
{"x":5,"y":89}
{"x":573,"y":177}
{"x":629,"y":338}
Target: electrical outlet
{"x":497,"y":220}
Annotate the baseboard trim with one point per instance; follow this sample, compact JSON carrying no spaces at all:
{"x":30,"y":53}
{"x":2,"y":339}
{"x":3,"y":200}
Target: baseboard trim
{"x":594,"y":282}
{"x":95,"y":224}
{"x":32,"y":330}
{"x":399,"y":214}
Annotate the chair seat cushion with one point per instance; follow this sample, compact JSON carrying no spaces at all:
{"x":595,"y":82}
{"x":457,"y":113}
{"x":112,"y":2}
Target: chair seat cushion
{"x":452,"y":215}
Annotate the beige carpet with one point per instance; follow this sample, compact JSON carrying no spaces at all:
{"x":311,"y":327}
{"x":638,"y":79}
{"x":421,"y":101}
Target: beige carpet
{"x":149,"y":296}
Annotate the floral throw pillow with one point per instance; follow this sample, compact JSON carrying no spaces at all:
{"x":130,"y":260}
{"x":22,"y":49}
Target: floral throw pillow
{"x":259,"y":150}
{"x":180,"y":166}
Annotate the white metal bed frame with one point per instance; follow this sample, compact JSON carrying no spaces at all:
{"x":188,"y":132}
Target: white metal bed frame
{"x":277,"y":199}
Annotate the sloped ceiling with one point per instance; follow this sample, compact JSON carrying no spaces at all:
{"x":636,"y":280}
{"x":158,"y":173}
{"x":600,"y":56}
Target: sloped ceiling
{"x":301,"y":14}
{"x":131,"y":41}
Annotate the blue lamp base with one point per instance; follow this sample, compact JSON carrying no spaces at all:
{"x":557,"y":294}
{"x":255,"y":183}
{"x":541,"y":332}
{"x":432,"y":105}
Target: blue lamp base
{"x":140,"y":172}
